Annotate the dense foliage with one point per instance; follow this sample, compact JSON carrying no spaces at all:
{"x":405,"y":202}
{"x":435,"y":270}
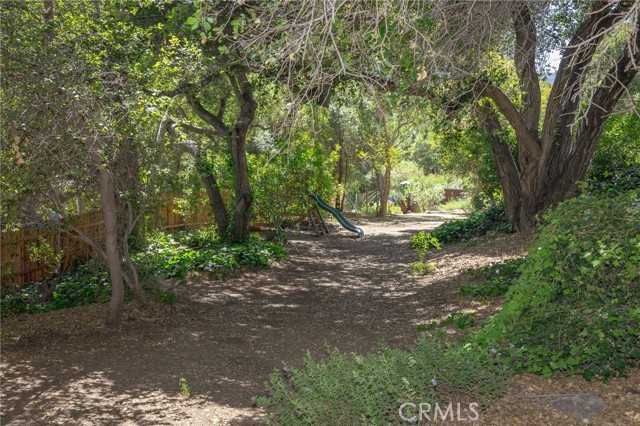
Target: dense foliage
{"x":281,"y":183}
{"x":575,"y":307}
{"x":173,"y":255}
{"x":477,"y":224}
{"x":615,"y":168}
{"x":496,"y":279}
{"x":167,"y":256}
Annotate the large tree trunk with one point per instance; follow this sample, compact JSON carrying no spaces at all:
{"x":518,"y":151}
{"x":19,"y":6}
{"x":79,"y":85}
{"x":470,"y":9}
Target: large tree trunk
{"x":243,"y":91}
{"x":108,"y":204}
{"x":527,"y":195}
{"x":553,"y":160}
{"x":243,"y":194}
{"x":214,"y":195}
{"x":236,"y":137}
{"x":508,"y":173}
{"x":384,"y":189}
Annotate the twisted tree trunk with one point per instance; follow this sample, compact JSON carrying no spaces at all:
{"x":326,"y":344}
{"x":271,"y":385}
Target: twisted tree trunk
{"x":243,"y":196}
{"x":553,"y":160}
{"x":236,"y":138}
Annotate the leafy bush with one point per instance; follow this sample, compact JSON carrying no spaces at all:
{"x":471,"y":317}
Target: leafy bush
{"x":576,"y":306}
{"x":478,"y":224}
{"x":280,"y":184}
{"x":614,"y":181}
{"x":166,"y":256}
{"x":615,"y":168}
{"x":369,"y":389}
{"x":423,"y":242}
{"x":496,"y":278}
{"x":198,"y":238}
{"x":422,"y":268}
{"x":173,"y":255}
{"x":87,"y":283}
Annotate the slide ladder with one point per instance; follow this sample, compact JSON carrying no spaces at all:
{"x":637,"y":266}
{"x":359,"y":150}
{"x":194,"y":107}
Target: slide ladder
{"x":317,"y":221}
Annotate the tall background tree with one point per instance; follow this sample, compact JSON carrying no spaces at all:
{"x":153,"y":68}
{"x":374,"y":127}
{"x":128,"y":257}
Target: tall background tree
{"x":78,"y":125}
{"x":446,"y":51}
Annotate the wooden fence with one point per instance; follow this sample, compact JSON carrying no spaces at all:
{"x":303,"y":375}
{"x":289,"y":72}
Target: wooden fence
{"x":16,"y":266}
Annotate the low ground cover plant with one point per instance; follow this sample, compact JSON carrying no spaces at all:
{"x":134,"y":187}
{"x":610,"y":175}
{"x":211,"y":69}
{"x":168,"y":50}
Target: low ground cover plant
{"x":166,"y":256}
{"x":349,"y":389}
{"x":173,"y":255}
{"x":478,"y":224}
{"x":496,"y":279}
{"x":576,"y":306}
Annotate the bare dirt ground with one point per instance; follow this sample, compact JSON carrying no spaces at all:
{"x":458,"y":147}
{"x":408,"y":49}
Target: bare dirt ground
{"x":225,"y":338}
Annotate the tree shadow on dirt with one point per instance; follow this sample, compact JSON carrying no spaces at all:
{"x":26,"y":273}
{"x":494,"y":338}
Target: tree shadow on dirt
{"x":226,"y":337}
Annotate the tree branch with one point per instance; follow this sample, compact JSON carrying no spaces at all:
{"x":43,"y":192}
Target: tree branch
{"x":564,"y":96}
{"x":83,"y":237}
{"x":206,"y":116}
{"x":199,"y":130}
{"x":605,"y":97}
{"x":525,"y":61}
{"x":525,"y":139}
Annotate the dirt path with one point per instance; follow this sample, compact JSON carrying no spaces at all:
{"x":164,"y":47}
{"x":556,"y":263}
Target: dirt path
{"x":225,"y":338}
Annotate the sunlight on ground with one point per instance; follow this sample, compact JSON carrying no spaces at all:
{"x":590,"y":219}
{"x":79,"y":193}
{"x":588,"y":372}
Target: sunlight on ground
{"x":96,"y":399}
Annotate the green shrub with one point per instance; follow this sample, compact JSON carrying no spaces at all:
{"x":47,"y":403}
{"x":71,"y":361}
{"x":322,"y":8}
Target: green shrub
{"x":423,"y":242}
{"x":369,"y":389}
{"x":459,"y":320}
{"x":422,"y":268}
{"x":86,"y":283}
{"x":614,"y":181}
{"x":478,"y":224}
{"x":615,"y":167}
{"x":575,"y":308}
{"x":166,"y":256}
{"x":173,"y":255}
{"x":198,"y":238}
{"x":496,"y":278}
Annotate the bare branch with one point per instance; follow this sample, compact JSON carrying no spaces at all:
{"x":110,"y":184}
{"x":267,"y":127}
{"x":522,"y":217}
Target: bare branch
{"x":208,"y":117}
{"x":199,"y":130}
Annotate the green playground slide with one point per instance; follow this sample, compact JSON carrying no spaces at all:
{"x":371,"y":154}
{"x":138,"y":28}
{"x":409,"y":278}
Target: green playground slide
{"x":343,"y":220}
